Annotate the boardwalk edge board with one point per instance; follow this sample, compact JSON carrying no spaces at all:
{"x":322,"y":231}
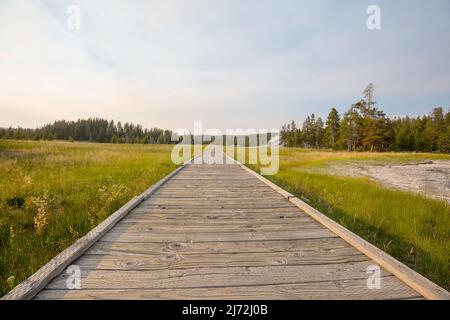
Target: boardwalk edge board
{"x":36,"y":282}
{"x":416,"y":281}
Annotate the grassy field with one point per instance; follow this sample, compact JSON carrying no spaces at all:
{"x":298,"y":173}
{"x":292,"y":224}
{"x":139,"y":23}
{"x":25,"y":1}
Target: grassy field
{"x":410,"y":227}
{"x":51,"y":193}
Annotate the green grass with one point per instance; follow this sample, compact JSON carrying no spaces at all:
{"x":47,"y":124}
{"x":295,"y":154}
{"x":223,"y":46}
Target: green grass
{"x":52,"y":193}
{"x":410,"y":227}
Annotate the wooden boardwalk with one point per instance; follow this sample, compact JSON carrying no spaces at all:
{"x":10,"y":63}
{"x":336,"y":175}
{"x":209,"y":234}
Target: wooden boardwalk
{"x":219,"y":232}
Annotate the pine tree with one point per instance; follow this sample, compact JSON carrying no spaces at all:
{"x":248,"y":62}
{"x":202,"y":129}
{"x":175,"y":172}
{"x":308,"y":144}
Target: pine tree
{"x":375,"y":126}
{"x":351,"y":129}
{"x":442,"y":123}
{"x":369,"y":95}
{"x":309,"y":131}
{"x":375,"y":129}
{"x":434,"y":133}
{"x":51,"y":136}
{"x":318,"y":136}
{"x":332,"y":128}
{"x":403,"y":135}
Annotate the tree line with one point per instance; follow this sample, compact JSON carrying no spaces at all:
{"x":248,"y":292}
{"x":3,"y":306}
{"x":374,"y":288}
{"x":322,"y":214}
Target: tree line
{"x":93,"y":130}
{"x":365,"y":127}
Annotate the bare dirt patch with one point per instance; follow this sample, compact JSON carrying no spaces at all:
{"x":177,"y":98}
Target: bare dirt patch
{"x":429,"y":178}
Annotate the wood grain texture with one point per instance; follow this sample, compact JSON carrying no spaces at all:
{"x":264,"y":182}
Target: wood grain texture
{"x":215,"y":236}
{"x":202,"y":260}
{"x":353,"y":289}
{"x":323,"y":246}
{"x":216,"y":276}
{"x":191,"y":227}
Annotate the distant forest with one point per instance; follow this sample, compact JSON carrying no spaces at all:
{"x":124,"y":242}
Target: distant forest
{"x":104,"y":131}
{"x":365,"y":127}
{"x":93,"y":130}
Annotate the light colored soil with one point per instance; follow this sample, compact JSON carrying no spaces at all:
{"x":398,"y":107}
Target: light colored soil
{"x":431,"y":178}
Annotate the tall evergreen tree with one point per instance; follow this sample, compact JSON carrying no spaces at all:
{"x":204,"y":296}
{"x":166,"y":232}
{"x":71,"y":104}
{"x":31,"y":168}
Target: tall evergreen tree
{"x":351,"y":129}
{"x":332,"y":128}
{"x":319,"y":131}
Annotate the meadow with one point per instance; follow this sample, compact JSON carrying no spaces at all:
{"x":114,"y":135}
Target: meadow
{"x":412,"y":228}
{"x":52,"y":193}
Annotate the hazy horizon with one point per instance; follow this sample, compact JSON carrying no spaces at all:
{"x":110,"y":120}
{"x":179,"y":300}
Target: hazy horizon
{"x":230,"y":64}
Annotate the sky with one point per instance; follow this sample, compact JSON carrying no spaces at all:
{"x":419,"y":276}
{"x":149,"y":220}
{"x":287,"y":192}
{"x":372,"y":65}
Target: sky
{"x":228,"y":63}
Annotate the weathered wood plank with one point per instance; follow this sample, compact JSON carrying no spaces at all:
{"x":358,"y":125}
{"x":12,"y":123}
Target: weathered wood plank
{"x":219,"y":187}
{"x":261,"y":212}
{"x":213,"y":202}
{"x":266,"y":201}
{"x":172,"y":219}
{"x":228,"y":220}
{"x":322,"y":246}
{"x":144,"y":227}
{"x":353,"y":289}
{"x":249,"y":193}
{"x":254,"y":206}
{"x":230,"y":184}
{"x":214,"y":236}
{"x":214,"y":277}
{"x":181,"y":261}
{"x":219,"y":197}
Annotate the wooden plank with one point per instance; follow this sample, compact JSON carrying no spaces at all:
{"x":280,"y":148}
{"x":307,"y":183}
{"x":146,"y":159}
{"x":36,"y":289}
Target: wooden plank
{"x":232,"y":218}
{"x":323,"y":246}
{"x":255,"y":206}
{"x":157,"y":263}
{"x":189,"y":227}
{"x":218,"y":196}
{"x":209,"y":218}
{"x":228,"y":220}
{"x":215,"y":277}
{"x":213,"y":183}
{"x":206,"y":195}
{"x":226,"y":190}
{"x":413,"y":279}
{"x":219,"y":186}
{"x":263,"y":212}
{"x":212,"y":215}
{"x":215,"y":190}
{"x":354,"y":289}
{"x":214,"y":236}
{"x":248,"y":202}
{"x":36,"y":282}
